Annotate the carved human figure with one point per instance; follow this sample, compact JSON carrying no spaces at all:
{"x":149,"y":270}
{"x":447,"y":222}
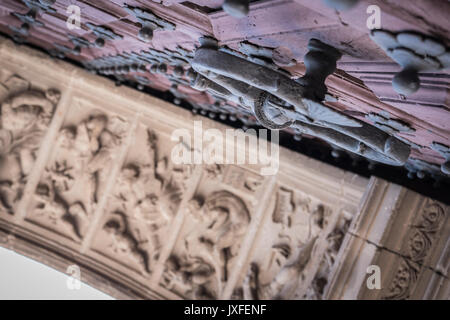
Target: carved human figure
{"x":102,"y":143}
{"x":279,"y":102}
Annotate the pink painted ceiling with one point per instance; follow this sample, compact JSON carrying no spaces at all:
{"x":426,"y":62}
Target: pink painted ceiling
{"x":361,"y":84}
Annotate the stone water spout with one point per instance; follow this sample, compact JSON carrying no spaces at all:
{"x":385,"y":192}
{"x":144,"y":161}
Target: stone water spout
{"x":279,"y":102}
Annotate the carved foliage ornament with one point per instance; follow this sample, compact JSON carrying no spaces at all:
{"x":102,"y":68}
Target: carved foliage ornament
{"x":419,"y":245}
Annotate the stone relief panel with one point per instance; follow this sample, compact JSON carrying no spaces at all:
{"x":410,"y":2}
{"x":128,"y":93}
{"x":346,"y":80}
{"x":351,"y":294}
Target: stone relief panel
{"x":25,"y":115}
{"x":334,"y":239}
{"x":215,"y":223}
{"x":243,"y":180}
{"x":418,"y":247}
{"x":76,"y":173}
{"x":143,"y":203}
{"x":284,"y":247}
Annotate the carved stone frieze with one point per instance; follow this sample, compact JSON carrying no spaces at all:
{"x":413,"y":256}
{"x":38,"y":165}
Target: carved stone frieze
{"x":146,"y":196}
{"x":242,"y":180}
{"x":29,"y":19}
{"x":403,"y":238}
{"x":26,"y":113}
{"x":149,"y":22}
{"x":214,"y":171}
{"x":202,"y":259}
{"x":236,"y":8}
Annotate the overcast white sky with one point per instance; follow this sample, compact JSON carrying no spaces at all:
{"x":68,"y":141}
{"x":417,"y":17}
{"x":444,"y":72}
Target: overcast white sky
{"x":23,"y":278}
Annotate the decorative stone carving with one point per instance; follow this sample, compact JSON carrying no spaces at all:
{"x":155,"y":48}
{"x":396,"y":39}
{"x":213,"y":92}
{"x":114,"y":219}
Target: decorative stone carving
{"x":414,"y":52}
{"x":385,"y":123}
{"x":279,"y":102}
{"x":291,"y":234}
{"x":146,"y":195}
{"x":420,"y":242}
{"x":284,"y":207}
{"x":25,"y":116}
{"x":200,"y":264}
{"x":236,"y":8}
{"x":123,"y":242}
{"x":150,"y":22}
{"x":124,"y":63}
{"x":340,"y":4}
{"x":76,"y":175}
